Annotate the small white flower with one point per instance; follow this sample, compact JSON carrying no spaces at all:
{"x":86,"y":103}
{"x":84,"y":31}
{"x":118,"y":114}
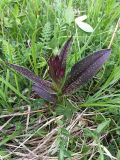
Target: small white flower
{"x":84,"y":26}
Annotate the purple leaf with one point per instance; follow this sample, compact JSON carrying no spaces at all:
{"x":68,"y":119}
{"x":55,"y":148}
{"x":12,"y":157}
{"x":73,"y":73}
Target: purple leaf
{"x":44,"y":94}
{"x":57,"y":64}
{"x":45,"y":85}
{"x":64,"y":51}
{"x":56,"y":71}
{"x":85,"y":69}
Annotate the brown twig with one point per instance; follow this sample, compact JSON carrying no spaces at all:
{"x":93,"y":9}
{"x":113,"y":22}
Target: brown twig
{"x":21,"y":114}
{"x":28,"y":118}
{"x":22,"y":143}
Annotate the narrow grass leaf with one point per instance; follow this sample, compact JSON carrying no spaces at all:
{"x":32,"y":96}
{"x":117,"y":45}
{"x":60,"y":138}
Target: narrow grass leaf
{"x":108,"y":153}
{"x":13,"y":89}
{"x":102,"y":126}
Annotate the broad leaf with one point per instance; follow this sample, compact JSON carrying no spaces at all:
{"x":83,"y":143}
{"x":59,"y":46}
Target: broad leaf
{"x":84,"y":26}
{"x":43,"y":93}
{"x":45,"y":85}
{"x":57,"y":64}
{"x":84,"y":70}
{"x":81,"y":18}
{"x":56,"y":70}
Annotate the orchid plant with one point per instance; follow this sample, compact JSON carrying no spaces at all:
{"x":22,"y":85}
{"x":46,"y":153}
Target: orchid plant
{"x":80,"y":73}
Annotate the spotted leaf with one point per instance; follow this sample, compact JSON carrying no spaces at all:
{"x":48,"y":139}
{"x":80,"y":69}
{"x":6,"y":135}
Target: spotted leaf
{"x":84,"y":70}
{"x":64,"y":51}
{"x":45,"y":85}
{"x":57,"y":64}
{"x":43,"y":93}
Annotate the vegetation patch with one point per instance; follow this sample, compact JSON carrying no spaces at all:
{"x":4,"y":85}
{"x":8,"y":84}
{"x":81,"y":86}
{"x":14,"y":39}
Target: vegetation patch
{"x":70,"y":52}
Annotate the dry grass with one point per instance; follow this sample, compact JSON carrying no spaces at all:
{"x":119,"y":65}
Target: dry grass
{"x":29,"y":146}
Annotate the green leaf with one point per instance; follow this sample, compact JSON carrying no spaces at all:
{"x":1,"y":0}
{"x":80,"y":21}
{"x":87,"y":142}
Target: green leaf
{"x":118,"y":154}
{"x":67,"y":154}
{"x":13,"y":89}
{"x":61,"y":154}
{"x":101,"y":127}
{"x":65,"y":132}
{"x":69,"y":15}
{"x":90,"y":133}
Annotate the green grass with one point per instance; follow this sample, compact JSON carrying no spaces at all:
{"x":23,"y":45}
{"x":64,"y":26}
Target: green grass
{"x":30,"y":32}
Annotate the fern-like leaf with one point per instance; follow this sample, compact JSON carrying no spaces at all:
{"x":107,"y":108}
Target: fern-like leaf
{"x":46,"y":33}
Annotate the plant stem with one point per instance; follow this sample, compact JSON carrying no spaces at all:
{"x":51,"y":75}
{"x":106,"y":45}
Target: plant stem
{"x":114,"y":33}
